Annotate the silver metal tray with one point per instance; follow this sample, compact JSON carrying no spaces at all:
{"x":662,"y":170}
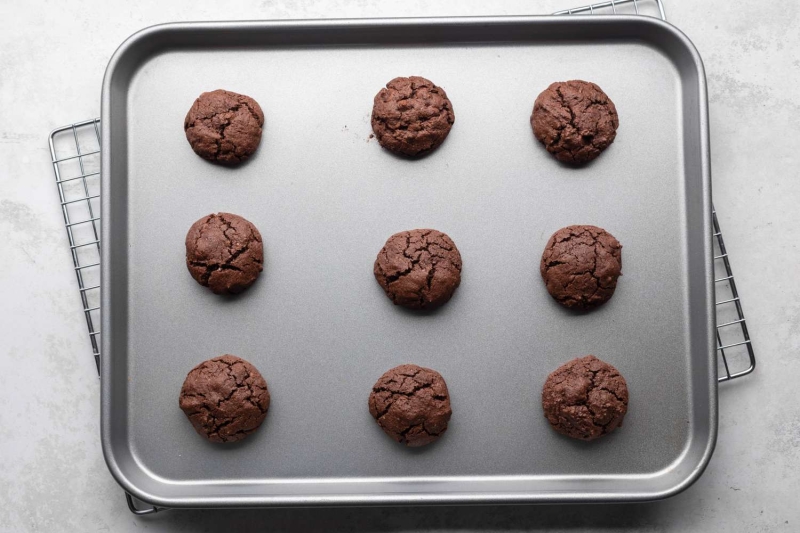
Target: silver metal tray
{"x":325,"y":197}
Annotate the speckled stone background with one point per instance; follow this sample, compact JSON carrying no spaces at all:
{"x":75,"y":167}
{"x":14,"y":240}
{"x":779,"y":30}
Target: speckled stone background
{"x":52,"y":474}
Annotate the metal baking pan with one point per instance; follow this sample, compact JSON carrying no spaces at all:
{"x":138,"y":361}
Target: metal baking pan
{"x":325,"y":197}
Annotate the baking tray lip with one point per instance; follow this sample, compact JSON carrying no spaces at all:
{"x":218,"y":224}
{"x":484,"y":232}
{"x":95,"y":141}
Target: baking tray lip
{"x":141,"y":38}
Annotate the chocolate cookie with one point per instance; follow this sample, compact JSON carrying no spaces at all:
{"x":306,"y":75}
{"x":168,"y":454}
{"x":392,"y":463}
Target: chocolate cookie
{"x":575,"y":120}
{"x":225,"y":398}
{"x":411,"y":116}
{"x":418,"y":269}
{"x":224,"y":126}
{"x":580,"y":266}
{"x":411,"y":404}
{"x":585,"y":398}
{"x":224,"y":253}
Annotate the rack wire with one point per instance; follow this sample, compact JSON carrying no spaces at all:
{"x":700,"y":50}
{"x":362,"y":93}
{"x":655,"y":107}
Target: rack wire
{"x":75,"y":153}
{"x":735,"y":355}
{"x":611,"y":6}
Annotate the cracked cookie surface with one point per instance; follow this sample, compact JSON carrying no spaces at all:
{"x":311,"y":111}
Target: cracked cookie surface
{"x":585,"y":398}
{"x":575,"y":120}
{"x":411,"y":404}
{"x":580,"y":266}
{"x":411,"y":116}
{"x":419,"y":269}
{"x":225,"y":398}
{"x":224,"y":126}
{"x":224,"y":252}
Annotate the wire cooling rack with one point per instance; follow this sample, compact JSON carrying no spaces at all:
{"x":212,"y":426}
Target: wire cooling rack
{"x":735,"y":355}
{"x":649,"y":7}
{"x":75,"y":152}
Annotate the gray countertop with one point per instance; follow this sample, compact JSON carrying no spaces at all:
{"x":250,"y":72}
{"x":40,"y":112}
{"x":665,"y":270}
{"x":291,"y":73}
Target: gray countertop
{"x":52,"y":473}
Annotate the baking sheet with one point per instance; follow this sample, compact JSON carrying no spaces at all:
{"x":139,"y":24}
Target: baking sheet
{"x":325,"y":197}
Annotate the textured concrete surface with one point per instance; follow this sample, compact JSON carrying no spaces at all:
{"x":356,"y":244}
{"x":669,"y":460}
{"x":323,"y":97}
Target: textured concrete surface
{"x":52,"y":474}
